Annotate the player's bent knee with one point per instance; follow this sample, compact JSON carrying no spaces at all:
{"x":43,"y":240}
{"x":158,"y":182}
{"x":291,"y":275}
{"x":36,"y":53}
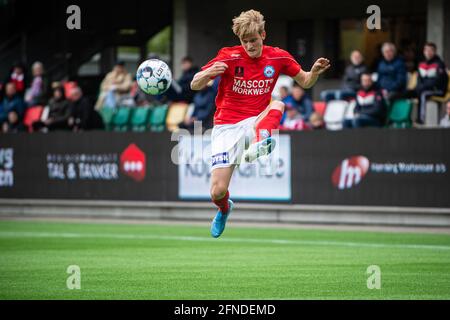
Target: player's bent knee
{"x":218,"y":192}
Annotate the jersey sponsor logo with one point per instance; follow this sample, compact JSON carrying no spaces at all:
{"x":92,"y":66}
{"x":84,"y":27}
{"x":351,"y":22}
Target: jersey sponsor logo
{"x":350,"y":172}
{"x":269,"y":71}
{"x":252,"y":87}
{"x":220,"y":158}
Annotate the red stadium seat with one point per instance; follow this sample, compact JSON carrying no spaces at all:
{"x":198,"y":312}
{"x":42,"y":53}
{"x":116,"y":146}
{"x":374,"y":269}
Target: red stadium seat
{"x":319,"y":107}
{"x":32,"y":115}
{"x":68,"y":86}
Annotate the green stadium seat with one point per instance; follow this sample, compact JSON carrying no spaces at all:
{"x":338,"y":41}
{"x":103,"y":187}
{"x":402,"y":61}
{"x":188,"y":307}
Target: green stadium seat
{"x":121,"y":119}
{"x":400,"y":114}
{"x":139,"y":118}
{"x":158,"y":118}
{"x":107,"y":115}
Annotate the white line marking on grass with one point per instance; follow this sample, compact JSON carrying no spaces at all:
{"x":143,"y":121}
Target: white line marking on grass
{"x":31,"y":234}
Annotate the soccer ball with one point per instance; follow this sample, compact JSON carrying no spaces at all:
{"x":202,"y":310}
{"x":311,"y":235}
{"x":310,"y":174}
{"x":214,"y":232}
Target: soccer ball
{"x":154,"y":76}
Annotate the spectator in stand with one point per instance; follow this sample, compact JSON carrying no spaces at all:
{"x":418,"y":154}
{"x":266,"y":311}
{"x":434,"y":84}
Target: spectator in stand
{"x":316,"y":121}
{"x":37,"y":93}
{"x":370,"y":110}
{"x":351,"y":80}
{"x":58,"y":113}
{"x":391,"y":73}
{"x":284,"y":92}
{"x":114,"y":87}
{"x":300,"y":101}
{"x":445,"y":121}
{"x":82,"y":113}
{"x":432,"y":78}
{"x":18,"y":77}
{"x":204,"y":102}
{"x":293,"y":120}
{"x":189,"y":70}
{"x":12,"y":110}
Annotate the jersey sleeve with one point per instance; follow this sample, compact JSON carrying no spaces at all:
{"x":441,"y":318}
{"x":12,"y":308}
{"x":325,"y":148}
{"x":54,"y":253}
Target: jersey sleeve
{"x":221,"y":55}
{"x":290,"y":66}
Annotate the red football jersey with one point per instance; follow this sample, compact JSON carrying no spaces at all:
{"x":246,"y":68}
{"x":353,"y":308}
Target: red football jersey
{"x":246,"y":86}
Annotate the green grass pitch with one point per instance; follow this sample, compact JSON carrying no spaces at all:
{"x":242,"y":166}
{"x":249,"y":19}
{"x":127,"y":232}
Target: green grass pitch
{"x":146,"y":261}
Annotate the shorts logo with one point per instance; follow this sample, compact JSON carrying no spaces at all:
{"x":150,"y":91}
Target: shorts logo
{"x":220,"y":158}
{"x":269,"y":71}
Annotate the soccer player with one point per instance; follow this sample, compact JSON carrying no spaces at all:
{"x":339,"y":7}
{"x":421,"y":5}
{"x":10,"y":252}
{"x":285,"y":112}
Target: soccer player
{"x":245,"y":112}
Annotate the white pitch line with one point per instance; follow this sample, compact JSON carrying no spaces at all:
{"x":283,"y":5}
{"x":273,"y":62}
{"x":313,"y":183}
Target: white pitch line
{"x":25,"y":234}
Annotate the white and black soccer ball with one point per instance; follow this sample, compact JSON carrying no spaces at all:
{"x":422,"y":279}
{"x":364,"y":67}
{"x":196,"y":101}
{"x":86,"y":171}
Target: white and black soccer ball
{"x":154,"y":76}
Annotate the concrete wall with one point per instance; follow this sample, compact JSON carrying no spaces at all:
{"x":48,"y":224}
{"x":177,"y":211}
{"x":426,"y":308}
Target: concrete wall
{"x":244,"y":212}
{"x":435,"y":24}
{"x":446,"y":55}
{"x":210,"y":29}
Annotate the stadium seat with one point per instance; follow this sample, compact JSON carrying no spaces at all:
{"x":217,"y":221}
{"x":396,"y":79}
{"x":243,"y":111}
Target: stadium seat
{"x":68,"y":86}
{"x":32,"y":114}
{"x":400,"y":114}
{"x":139,"y":118}
{"x":350,"y":111}
{"x":121,"y":119}
{"x":431,"y":114}
{"x":447,"y":95}
{"x":334,"y":114}
{"x":412,"y":80}
{"x":175,"y":115}
{"x":158,"y":118}
{"x":107,"y":115}
{"x":319,"y":107}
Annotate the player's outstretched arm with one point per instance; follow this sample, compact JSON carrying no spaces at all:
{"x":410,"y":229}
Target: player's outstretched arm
{"x":308,"y":79}
{"x":202,"y":78}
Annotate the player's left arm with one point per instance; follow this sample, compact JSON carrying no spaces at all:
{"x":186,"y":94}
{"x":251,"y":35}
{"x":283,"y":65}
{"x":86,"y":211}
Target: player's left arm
{"x":308,"y":79}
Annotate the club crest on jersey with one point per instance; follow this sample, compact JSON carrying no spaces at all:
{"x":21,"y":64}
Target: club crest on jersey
{"x":269,"y":71}
{"x":239,"y":71}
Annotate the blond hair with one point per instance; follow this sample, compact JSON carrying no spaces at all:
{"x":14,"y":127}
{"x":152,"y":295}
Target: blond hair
{"x":248,"y":23}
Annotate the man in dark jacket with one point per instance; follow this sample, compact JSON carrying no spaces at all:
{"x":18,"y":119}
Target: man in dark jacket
{"x":83,"y":116}
{"x":12,"y":110}
{"x":351,"y":80}
{"x":370,"y":109}
{"x":189,"y":70}
{"x":58,"y":113}
{"x":204,"y":102}
{"x":432,"y":78}
{"x":391,"y":73}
